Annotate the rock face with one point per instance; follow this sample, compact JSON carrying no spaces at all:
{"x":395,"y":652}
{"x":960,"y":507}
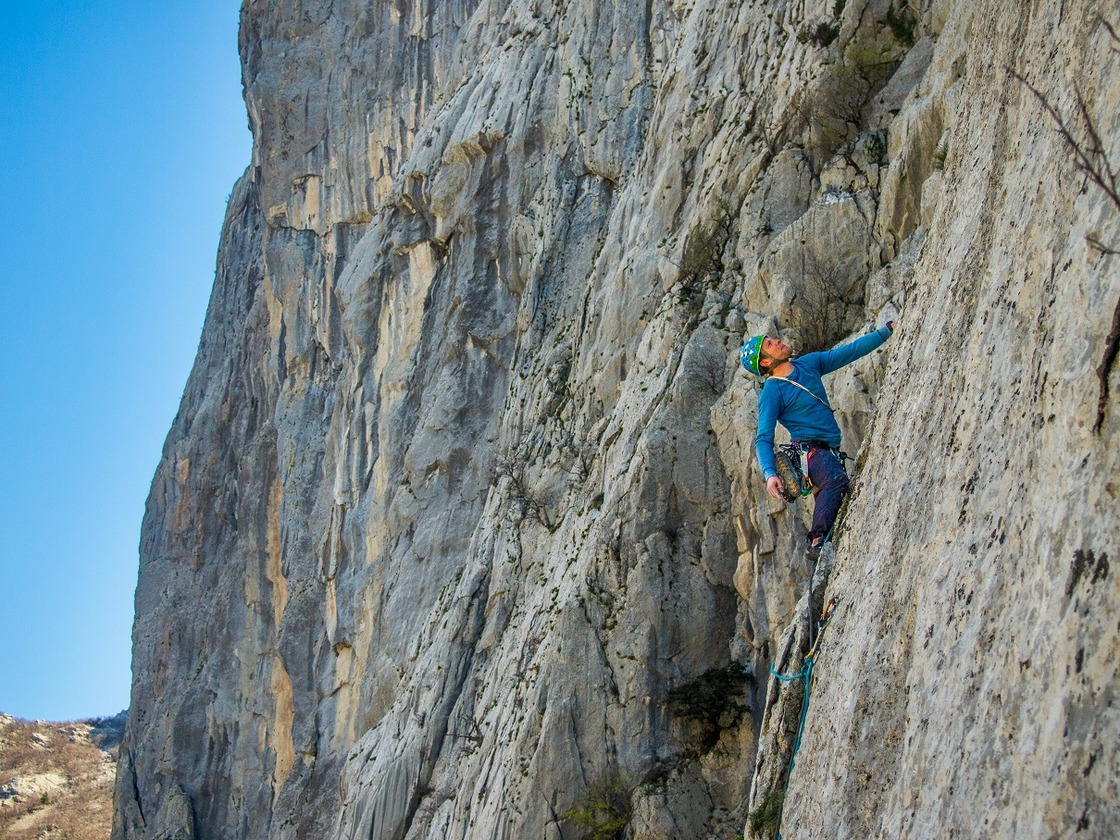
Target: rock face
{"x":459,"y":532}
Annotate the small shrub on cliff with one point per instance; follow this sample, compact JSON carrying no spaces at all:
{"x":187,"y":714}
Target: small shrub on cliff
{"x":820,"y":35}
{"x":820,"y":312}
{"x":607,"y":809}
{"x":712,"y":699}
{"x":834,"y":110}
{"x":523,"y":502}
{"x":902,"y":23}
{"x":939,"y":156}
{"x":876,"y":148}
{"x":702,"y":266}
{"x":766,"y":819}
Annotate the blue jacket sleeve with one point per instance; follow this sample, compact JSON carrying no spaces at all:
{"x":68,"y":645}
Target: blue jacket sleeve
{"x":837,"y":357}
{"x":764,"y":438}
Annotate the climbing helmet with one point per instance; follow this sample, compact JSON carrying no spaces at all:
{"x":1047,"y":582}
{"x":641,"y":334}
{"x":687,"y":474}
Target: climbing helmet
{"x":749,"y":354}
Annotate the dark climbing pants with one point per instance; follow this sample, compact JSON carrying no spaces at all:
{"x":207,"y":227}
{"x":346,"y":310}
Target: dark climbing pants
{"x":831,"y":483}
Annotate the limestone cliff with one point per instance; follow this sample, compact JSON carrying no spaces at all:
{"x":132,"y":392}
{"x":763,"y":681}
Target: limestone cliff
{"x":458,"y":532}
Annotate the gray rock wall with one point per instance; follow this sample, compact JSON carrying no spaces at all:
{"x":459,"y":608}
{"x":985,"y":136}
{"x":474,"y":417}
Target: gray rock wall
{"x":967,"y":686}
{"x":460,"y":515}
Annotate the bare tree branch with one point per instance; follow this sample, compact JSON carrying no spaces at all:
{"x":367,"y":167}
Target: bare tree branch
{"x":1090,"y":158}
{"x":1111,"y":32}
{"x":1100,"y":247}
{"x":821,"y":316}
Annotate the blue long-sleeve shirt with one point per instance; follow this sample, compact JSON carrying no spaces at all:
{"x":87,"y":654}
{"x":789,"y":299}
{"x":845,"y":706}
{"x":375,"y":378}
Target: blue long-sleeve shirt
{"x":804,"y":417}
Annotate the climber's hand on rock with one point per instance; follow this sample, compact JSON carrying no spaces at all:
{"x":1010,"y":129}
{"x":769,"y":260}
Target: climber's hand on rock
{"x":774,"y":486}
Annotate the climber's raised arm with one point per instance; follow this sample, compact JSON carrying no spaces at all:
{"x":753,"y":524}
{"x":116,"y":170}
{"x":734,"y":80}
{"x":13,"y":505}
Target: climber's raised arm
{"x":828,"y":361}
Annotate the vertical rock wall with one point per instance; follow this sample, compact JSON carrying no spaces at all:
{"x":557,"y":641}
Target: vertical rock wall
{"x":967,"y":687}
{"x":459,"y":519}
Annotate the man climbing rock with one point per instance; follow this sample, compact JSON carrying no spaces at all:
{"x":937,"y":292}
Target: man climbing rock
{"x":793,"y":395}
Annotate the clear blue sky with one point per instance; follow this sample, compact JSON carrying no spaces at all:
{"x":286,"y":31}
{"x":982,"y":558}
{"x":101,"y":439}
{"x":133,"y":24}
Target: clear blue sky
{"x":123,"y":131}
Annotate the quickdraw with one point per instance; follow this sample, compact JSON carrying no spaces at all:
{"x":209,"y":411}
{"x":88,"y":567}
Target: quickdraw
{"x":826,"y":614}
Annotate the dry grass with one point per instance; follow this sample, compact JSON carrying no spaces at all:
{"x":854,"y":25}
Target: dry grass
{"x":55,"y":783}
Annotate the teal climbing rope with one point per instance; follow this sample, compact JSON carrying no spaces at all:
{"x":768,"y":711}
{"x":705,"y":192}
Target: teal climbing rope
{"x":787,"y":677}
{"x":806,"y":673}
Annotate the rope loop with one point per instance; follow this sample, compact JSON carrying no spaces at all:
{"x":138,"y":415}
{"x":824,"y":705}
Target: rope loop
{"x":786,"y":677}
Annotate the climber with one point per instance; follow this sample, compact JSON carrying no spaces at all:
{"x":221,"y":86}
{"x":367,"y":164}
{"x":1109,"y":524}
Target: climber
{"x":794,"y":396}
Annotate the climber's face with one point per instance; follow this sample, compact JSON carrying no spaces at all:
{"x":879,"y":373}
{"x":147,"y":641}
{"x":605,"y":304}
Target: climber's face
{"x":776,"y":350}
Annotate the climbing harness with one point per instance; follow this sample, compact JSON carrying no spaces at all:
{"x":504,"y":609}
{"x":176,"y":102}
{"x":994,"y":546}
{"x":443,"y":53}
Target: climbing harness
{"x":792,"y":463}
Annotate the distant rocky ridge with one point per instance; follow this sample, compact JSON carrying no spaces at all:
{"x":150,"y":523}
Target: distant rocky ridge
{"x":459,"y":531}
{"x":56,"y":779}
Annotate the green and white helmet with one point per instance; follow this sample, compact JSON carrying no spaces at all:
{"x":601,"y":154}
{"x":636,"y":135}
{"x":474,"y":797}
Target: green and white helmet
{"x":750,"y":352}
